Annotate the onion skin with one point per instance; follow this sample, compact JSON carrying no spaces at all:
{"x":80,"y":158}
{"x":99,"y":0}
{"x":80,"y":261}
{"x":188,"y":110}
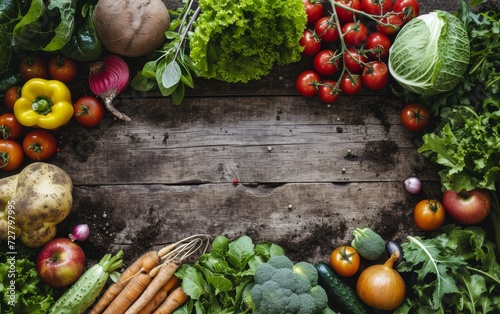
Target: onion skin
{"x":381,"y":286}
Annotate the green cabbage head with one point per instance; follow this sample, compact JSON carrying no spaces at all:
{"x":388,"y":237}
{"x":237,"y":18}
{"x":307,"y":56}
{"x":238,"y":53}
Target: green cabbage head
{"x":430,"y":54}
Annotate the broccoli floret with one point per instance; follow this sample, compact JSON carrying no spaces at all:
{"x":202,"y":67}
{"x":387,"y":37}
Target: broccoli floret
{"x":279,"y":288}
{"x":368,"y":243}
{"x":307,"y":270}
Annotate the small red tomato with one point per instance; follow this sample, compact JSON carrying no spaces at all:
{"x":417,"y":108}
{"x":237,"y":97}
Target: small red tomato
{"x":88,"y":111}
{"x":311,"y":43}
{"x":11,"y":155}
{"x":10,"y":128}
{"x":354,"y":60}
{"x":39,"y":145}
{"x":326,"y":62}
{"x":12,"y":94}
{"x":415,"y":117}
{"x":355,"y":33}
{"x":351,"y":84}
{"x":307,"y":83}
{"x":33,"y":67}
{"x":326,"y":29}
{"x":389,"y":25}
{"x":378,"y":45}
{"x":345,"y":15}
{"x":314,"y":10}
{"x":376,"y":7}
{"x":328,"y":91}
{"x":407,"y":9}
{"x":62,"y":68}
{"x":375,"y":75}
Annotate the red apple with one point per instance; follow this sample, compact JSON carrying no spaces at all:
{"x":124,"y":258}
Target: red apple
{"x":60,"y":262}
{"x":467,"y":207}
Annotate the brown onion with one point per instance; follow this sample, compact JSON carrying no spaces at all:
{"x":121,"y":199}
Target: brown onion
{"x":381,"y":286}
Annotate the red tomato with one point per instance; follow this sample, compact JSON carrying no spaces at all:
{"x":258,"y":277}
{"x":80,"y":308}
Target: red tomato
{"x":355,"y":33}
{"x":429,"y":215}
{"x":345,"y":260}
{"x":307,"y":83}
{"x":314,"y":10}
{"x":328,"y":91}
{"x":63,"y":69}
{"x":375,"y":75}
{"x":407,"y":9}
{"x":12,"y":94}
{"x":326,"y":62}
{"x":351,"y":84}
{"x":354,"y":60}
{"x":415,"y":117}
{"x":33,"y":67}
{"x":390,"y":24}
{"x":311,"y":43}
{"x":326,"y":29}
{"x":39,"y":145}
{"x":10,"y":128}
{"x":11,"y":155}
{"x":378,"y":45}
{"x":89,"y":111}
{"x":376,"y":7}
{"x":345,"y":15}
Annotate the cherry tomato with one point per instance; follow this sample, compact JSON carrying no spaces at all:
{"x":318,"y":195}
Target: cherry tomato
{"x":354,"y":60}
{"x":12,"y":94}
{"x":415,"y":117}
{"x":351,"y":84}
{"x":407,"y":9}
{"x":345,"y":260}
{"x":307,"y":83}
{"x":63,"y":69}
{"x":39,"y":145}
{"x":345,"y":15}
{"x":311,"y":43}
{"x":355,"y":33}
{"x":376,"y":7}
{"x":89,"y":111}
{"x":328,"y":91}
{"x":429,"y":215}
{"x":314,"y":10}
{"x":375,"y":75}
{"x":326,"y":62}
{"x":390,"y":24}
{"x":33,"y":67}
{"x":11,"y":155}
{"x":378,"y":45}
{"x":326,"y":29}
{"x":10,"y":128}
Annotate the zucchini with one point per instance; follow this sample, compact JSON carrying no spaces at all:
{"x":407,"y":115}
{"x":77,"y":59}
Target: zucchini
{"x":341,"y":295}
{"x":83,"y":293}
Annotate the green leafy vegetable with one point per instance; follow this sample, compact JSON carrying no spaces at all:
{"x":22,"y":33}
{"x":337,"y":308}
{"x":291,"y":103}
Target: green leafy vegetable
{"x":430,"y":53}
{"x":215,"y":283}
{"x":456,"y":272}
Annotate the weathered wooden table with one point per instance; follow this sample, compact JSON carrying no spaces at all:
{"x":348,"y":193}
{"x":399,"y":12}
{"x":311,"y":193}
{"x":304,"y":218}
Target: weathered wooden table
{"x":307,"y":173}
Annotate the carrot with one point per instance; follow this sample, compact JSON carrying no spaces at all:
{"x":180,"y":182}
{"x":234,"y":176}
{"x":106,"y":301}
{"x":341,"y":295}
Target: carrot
{"x":173,"y":301}
{"x":165,"y":272}
{"x":148,"y":259}
{"x":132,"y":291}
{"x":160,"y":296}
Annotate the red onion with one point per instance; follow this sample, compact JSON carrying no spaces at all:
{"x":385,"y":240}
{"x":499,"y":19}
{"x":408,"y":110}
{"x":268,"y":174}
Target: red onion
{"x":80,"y":233}
{"x":413,"y":185}
{"x":108,"y":78}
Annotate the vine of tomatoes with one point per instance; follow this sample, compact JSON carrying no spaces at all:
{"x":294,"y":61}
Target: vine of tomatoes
{"x":349,"y":45}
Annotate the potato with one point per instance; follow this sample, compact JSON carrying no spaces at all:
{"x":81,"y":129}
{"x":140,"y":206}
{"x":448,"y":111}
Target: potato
{"x":39,"y":198}
{"x":131,"y":28}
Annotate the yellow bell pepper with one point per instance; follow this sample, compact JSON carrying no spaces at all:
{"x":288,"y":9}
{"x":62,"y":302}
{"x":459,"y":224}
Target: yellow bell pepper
{"x":44,"y":103}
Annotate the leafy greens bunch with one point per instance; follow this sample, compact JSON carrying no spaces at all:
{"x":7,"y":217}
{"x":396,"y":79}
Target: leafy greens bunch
{"x":215,"y":283}
{"x":456,"y":272}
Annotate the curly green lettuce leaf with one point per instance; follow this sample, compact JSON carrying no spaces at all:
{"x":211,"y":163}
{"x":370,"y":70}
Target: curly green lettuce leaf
{"x":238,"y":41}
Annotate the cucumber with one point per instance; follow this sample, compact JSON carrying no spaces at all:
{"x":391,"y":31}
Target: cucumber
{"x":341,"y":295}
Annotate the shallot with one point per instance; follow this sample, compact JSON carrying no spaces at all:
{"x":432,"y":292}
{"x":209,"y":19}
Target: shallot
{"x":413,"y":185}
{"x":108,"y":78}
{"x":80,"y":233}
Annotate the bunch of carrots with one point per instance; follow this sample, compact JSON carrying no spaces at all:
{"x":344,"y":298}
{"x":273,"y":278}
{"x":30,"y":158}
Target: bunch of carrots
{"x":149,"y":285}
